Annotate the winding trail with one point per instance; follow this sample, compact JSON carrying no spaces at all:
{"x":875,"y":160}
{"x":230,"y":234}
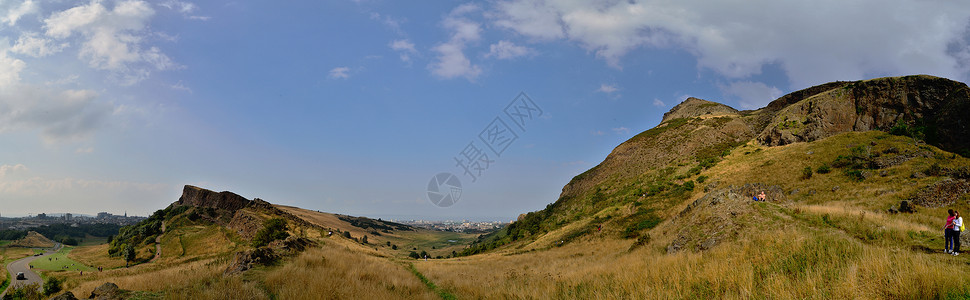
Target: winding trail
{"x":23,"y":265}
{"x":158,"y":244}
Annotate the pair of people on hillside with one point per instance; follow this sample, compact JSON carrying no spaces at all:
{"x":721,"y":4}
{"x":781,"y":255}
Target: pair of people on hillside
{"x":760,"y":197}
{"x":951,"y":231}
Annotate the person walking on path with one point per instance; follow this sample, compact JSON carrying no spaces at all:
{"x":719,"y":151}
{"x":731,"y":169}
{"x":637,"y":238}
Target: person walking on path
{"x":957,"y":228}
{"x":948,"y":232}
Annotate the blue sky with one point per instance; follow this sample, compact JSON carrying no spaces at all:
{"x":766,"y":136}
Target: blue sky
{"x":353,"y":106}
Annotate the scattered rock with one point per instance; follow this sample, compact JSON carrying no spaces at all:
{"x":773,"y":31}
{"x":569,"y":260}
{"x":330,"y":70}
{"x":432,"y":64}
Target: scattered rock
{"x":893,"y":210}
{"x":905,"y":207}
{"x":918,"y":175}
{"x":835,"y":188}
{"x":942,"y":193}
{"x":65,"y":296}
{"x":884,"y":173}
{"x":245,"y":260}
{"x":108,"y":291}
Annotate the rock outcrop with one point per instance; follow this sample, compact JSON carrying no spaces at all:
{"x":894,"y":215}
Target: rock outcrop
{"x":109,"y":291}
{"x":933,"y":108}
{"x":242,"y":215}
{"x":199,"y":197}
{"x":694,"y":107}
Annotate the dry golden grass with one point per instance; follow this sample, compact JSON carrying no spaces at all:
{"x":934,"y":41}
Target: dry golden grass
{"x":96,"y":256}
{"x":336,"y":272}
{"x":778,"y":264}
{"x":148,"y":277}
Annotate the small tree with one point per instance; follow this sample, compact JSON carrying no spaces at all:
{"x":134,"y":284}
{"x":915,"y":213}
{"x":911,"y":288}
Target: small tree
{"x":347,"y":234}
{"x":363,"y":240}
{"x":273,"y":229}
{"x":128,"y":253}
{"x":414,"y":255}
{"x":52,"y":285}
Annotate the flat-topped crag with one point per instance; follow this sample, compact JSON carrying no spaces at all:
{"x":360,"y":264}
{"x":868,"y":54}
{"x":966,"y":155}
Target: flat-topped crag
{"x":694,"y":107}
{"x":199,"y":197}
{"x":234,"y":211}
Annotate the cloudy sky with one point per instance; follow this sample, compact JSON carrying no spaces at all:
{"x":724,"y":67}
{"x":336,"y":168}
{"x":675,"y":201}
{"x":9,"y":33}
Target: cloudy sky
{"x":353,"y":106}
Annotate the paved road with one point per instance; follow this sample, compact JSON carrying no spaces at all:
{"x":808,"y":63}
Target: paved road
{"x":23,"y":265}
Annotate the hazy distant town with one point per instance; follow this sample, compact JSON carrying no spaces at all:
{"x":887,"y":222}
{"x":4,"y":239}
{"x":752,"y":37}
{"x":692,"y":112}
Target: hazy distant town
{"x":32,"y":221}
{"x":456,"y":226}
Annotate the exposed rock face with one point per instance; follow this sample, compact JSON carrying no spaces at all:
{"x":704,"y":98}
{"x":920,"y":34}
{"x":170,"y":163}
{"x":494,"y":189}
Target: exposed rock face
{"x":937,"y":104}
{"x":235,"y":211}
{"x":199,"y":197}
{"x":694,"y":107}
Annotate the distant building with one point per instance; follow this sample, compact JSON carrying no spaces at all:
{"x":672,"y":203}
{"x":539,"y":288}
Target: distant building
{"x":103,"y":215}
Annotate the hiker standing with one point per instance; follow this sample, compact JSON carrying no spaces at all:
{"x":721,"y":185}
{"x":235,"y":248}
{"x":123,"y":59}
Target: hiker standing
{"x":948,"y":231}
{"x":957,"y":228}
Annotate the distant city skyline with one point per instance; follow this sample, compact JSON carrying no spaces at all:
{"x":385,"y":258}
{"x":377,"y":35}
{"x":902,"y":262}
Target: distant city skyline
{"x":352,"y":107}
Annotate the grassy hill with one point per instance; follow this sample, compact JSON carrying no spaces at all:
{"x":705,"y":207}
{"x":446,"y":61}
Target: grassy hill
{"x":825,"y":236}
{"x":208,"y":235}
{"x":668,"y":214}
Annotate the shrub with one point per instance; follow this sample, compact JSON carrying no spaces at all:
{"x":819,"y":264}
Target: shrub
{"x":347,"y":234}
{"x":52,"y":285}
{"x":807,"y":173}
{"x":414,"y":255}
{"x":273,"y":229}
{"x":824,"y":169}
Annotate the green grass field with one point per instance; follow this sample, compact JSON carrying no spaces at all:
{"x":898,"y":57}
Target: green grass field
{"x":4,"y":243}
{"x":59,"y":261}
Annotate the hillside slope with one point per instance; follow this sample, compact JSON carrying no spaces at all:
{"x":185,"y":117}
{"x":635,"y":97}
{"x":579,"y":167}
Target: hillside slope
{"x":649,"y":177}
{"x":208,"y":250}
{"x":832,"y":227}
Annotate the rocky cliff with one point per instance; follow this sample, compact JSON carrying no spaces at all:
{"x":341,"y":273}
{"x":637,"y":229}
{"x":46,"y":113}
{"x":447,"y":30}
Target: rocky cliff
{"x":930,"y":108}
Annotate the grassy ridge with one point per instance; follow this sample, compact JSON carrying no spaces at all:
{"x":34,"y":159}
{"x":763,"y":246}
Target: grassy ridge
{"x":833,"y":239}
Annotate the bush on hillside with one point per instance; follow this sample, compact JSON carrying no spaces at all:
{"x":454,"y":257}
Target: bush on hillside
{"x":273,"y":229}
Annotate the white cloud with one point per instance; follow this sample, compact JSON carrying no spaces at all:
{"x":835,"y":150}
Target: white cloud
{"x":187,"y":9}
{"x":111,"y":39}
{"x":508,"y":50}
{"x":752,"y":95}
{"x":59,"y":115}
{"x":621,"y":130}
{"x":10,"y":69}
{"x":31,"y":45}
{"x":809,"y":40}
{"x":405,"y":47}
{"x":392,"y":23}
{"x":6,"y":169}
{"x":608,"y":88}
{"x":339,"y":73}
{"x":451,"y":61}
{"x":14,"y":14}
{"x":658,"y":103}
{"x":597,"y":132}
